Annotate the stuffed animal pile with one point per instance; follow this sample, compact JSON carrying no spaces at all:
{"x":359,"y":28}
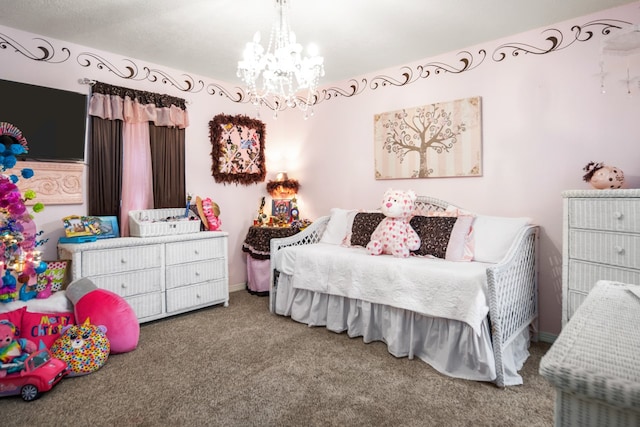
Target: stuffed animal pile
{"x":394,"y":235}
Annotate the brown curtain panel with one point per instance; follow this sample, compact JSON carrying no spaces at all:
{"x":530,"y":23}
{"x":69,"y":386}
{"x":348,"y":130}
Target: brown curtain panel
{"x":105,"y":167}
{"x":106,"y":151}
{"x":167,"y":161}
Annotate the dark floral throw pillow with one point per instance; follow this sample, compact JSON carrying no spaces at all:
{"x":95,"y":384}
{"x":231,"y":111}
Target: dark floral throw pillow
{"x":364,"y":224}
{"x":434,"y":234}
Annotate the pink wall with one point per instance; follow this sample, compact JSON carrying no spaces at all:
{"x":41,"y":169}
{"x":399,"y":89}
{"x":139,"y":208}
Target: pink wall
{"x":543,"y":119}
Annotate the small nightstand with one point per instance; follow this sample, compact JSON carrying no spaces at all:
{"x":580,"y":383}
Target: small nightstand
{"x":256,"y":245}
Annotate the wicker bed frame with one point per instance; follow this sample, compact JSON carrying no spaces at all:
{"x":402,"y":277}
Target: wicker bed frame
{"x":512,"y":283}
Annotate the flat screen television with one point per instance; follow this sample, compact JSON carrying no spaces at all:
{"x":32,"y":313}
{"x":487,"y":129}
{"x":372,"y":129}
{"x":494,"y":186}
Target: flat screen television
{"x":53,"y":121}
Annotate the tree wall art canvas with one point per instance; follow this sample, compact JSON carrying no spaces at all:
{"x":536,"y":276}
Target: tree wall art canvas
{"x":431,"y":141}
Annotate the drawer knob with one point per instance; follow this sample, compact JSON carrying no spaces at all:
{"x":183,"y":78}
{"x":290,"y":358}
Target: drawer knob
{"x":123,"y":261}
{"x":196,"y":252}
{"x":197,"y":273}
{"x":123,"y":286}
{"x":619,"y":250}
{"x":198,"y":296}
{"x":618,"y":215}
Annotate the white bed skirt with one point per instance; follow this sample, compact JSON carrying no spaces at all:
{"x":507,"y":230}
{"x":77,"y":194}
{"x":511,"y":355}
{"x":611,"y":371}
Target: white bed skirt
{"x":450,"y":346}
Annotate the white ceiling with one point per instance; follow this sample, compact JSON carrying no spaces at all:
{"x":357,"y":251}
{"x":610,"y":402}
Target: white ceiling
{"x":207,"y":37}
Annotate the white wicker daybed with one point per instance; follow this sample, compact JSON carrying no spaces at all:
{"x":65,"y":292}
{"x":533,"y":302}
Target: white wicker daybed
{"x":468,"y":320}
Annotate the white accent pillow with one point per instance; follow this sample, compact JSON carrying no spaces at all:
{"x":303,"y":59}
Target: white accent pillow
{"x":493,"y":236}
{"x":336,"y":228}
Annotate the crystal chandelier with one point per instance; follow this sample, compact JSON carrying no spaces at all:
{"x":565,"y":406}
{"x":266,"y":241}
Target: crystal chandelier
{"x":280,"y":76}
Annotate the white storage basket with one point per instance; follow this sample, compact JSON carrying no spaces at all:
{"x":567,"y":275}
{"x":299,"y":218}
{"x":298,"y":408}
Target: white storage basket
{"x":154,"y":222}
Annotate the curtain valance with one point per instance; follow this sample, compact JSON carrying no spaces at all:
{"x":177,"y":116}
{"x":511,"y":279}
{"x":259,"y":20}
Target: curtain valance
{"x":136,"y":106}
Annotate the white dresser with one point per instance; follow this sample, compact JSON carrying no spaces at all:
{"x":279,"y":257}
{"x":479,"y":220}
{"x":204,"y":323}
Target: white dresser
{"x":158,"y":276}
{"x":601,"y":241}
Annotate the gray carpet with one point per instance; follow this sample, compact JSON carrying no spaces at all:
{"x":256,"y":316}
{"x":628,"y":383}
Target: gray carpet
{"x":242,"y":366}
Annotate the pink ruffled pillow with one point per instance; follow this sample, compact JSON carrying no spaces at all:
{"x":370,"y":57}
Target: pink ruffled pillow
{"x":461,"y":241}
{"x":434,"y":233}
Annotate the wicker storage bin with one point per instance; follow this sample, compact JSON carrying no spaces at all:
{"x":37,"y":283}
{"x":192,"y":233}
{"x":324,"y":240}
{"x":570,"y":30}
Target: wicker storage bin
{"x":147,"y":223}
{"x":594,"y":362}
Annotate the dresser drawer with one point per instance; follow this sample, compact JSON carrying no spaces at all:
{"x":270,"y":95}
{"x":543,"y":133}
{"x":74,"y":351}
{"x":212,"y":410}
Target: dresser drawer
{"x":109,"y":261}
{"x":192,"y":296}
{"x":606,"y":248}
{"x":131,"y":283}
{"x":195,"y":272}
{"x":583,"y":275}
{"x":146,"y":305}
{"x":605,"y":214}
{"x":194,"y":250}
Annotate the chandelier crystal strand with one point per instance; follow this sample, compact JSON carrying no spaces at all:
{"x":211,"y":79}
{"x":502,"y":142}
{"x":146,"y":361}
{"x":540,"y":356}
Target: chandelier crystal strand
{"x":602,"y":74}
{"x":280,"y":76}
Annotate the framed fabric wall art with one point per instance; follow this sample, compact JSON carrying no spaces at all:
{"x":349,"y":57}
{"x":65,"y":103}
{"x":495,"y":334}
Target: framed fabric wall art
{"x":430,"y":141}
{"x":237,"y":149}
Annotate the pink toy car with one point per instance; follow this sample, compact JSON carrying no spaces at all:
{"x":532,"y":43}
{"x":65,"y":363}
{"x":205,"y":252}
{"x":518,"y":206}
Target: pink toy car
{"x":40,"y":373}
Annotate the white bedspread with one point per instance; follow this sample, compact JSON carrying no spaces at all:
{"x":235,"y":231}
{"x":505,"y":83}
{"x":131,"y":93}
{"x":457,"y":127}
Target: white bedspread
{"x":432,"y":287}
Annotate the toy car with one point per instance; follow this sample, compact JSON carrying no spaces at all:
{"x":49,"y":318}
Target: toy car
{"x":40,"y":373}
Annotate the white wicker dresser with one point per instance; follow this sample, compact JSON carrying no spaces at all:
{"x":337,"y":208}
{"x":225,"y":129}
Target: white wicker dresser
{"x":601,"y":241}
{"x":594,"y":363}
{"x":158,"y":276}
